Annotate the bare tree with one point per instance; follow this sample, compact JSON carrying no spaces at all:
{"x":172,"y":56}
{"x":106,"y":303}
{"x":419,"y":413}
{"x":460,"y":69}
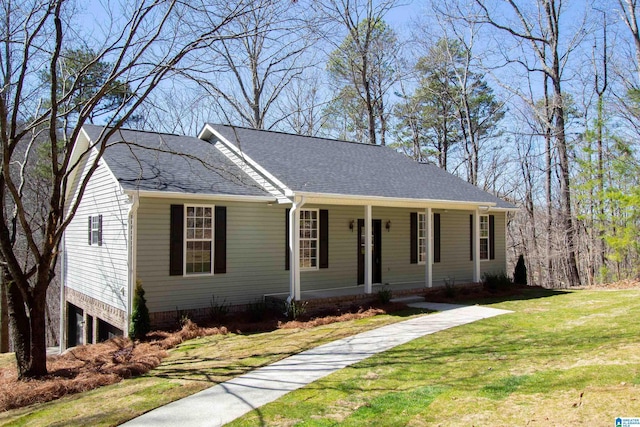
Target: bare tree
{"x":247,"y":75}
{"x":542,"y":32}
{"x":144,"y":42}
{"x":628,"y":10}
{"x":363,"y":62}
{"x":302,"y":104}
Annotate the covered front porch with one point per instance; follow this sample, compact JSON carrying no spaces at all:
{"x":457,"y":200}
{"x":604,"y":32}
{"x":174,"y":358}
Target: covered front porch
{"x":444,"y":239}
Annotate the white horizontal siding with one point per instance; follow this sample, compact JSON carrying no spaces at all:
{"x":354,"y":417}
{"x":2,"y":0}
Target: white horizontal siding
{"x":256,"y":253}
{"x":255,"y":257}
{"x":100,"y":272}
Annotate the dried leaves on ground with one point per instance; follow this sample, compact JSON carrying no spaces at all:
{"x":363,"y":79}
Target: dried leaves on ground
{"x":87,"y":367}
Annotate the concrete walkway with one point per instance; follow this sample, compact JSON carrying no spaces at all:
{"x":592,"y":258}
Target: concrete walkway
{"x":227,"y":401}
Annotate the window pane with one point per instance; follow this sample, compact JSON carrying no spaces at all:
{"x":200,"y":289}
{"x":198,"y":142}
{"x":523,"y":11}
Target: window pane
{"x":308,"y":238}
{"x":484,"y":248}
{"x":198,"y":239}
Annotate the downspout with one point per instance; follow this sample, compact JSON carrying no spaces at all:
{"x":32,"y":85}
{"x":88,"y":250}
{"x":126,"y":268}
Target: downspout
{"x":62,"y":344}
{"x":132,"y":255}
{"x":294,"y":250}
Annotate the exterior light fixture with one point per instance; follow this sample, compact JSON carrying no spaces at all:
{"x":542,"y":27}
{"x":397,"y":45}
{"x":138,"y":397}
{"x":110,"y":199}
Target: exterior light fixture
{"x":351,"y":225}
{"x":388,"y":225}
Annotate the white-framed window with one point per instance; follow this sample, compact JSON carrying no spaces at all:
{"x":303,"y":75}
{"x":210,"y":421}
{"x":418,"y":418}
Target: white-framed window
{"x":95,"y":230}
{"x":198,"y":253}
{"x":308,"y":239}
{"x":484,"y":237}
{"x":422,"y":238}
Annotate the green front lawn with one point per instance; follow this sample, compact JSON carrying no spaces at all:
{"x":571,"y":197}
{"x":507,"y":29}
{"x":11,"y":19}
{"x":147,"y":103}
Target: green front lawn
{"x":571,"y":359}
{"x":561,"y":359}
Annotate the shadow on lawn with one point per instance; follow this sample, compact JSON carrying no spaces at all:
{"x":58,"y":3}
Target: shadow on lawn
{"x":479,"y":295}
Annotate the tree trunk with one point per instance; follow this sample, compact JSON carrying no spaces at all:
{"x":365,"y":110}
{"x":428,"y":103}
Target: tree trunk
{"x":4,"y":319}
{"x":27,"y":323}
{"x":548,"y":175}
{"x":20,"y":329}
{"x":565,"y":184}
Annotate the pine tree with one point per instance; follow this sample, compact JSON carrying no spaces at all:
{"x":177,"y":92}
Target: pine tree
{"x":140,"y":322}
{"x":520,"y":272}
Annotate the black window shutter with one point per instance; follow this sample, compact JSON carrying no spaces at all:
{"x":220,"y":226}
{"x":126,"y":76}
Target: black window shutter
{"x":99,"y":230}
{"x":413,"y":238}
{"x":89,"y":230}
{"x":492,"y":234}
{"x":220,"y":240}
{"x":176,"y":240}
{"x":324,"y":238}
{"x":436,"y":237}
{"x":286,"y":238}
{"x":471,"y":237}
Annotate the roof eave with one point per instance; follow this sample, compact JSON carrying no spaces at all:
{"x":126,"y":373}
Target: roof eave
{"x":362,"y":200}
{"x":157,"y":194}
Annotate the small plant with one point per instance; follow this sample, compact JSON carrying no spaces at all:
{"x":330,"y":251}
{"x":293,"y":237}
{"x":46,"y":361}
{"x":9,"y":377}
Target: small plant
{"x":520,"y":272}
{"x":450,"y":290}
{"x":294,"y":309}
{"x":257,"y":310}
{"x":496,"y":281}
{"x":218,"y":310}
{"x":384,"y":294}
{"x":140,"y":323}
{"x":182,"y":317}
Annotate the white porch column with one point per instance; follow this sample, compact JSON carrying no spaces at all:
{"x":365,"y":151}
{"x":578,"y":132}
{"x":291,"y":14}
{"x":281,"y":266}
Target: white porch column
{"x":476,"y":246}
{"x":428,"y":265}
{"x":295,"y":260}
{"x":368,"y":262}
{"x":294,"y":249}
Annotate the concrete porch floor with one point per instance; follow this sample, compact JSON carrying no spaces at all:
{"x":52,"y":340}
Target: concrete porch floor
{"x":397,"y":289}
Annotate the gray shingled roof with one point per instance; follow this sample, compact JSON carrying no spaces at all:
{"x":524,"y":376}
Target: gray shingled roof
{"x":319,"y":165}
{"x":149,"y":162}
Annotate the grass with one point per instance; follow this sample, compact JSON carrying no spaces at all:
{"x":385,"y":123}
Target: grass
{"x":568,"y":358}
{"x":192,"y":366}
{"x":562,"y":358}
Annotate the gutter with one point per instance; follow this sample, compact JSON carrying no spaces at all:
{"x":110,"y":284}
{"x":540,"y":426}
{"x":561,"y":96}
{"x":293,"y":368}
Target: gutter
{"x":199,"y":196}
{"x":132,"y":256}
{"x":363,"y":200}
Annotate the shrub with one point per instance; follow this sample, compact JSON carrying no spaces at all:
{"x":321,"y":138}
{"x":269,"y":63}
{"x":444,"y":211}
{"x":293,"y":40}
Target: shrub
{"x":140,"y":323}
{"x":257,"y":310}
{"x":218,"y":310}
{"x":294,"y":309}
{"x":183,"y":317}
{"x":384,"y":294}
{"x":496,"y":281}
{"x":450,"y":289}
{"x":520,"y":272}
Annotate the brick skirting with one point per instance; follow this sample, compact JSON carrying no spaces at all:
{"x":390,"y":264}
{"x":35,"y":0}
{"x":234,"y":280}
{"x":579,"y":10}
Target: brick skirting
{"x":99,"y":309}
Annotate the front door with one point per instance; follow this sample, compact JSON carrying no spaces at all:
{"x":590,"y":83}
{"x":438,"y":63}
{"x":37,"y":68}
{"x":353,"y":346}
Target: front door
{"x":376,"y":250}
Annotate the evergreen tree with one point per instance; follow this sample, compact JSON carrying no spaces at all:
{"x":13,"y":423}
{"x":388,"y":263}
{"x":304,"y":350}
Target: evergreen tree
{"x":520,"y":272}
{"x":140,"y":322}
